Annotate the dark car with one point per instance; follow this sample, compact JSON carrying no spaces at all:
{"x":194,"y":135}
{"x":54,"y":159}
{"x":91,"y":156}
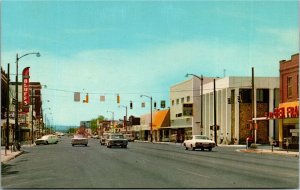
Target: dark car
{"x":116,"y":139}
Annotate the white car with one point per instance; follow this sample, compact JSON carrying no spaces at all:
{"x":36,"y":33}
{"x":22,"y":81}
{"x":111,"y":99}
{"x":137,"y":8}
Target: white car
{"x":199,"y":141}
{"x":79,"y":140}
{"x":47,"y":139}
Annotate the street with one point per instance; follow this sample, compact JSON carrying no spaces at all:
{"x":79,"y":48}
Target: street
{"x":146,"y":165}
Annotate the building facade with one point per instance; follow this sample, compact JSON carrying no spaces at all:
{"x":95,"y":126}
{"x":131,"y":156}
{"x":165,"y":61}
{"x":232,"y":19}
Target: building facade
{"x":185,"y":104}
{"x":233,"y":108}
{"x":289,"y":103}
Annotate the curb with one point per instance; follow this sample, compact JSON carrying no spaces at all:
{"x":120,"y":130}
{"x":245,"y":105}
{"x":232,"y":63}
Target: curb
{"x":261,"y":151}
{"x":11,"y":156}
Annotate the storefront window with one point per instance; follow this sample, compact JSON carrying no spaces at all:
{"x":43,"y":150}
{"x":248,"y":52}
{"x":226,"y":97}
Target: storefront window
{"x":289,"y":87}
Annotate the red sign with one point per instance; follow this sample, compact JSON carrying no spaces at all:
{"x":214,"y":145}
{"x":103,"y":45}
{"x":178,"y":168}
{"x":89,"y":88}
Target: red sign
{"x":284,"y":112}
{"x":25,"y":90}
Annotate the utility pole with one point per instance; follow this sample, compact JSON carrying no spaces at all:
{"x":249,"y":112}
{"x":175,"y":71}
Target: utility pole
{"x":201,"y":116}
{"x":32,"y":114}
{"x":253,"y":108}
{"x":150,"y":97}
{"x":7,"y":110}
{"x":215,"y":113}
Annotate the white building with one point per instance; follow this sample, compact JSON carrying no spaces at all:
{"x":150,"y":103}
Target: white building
{"x":232,"y":116}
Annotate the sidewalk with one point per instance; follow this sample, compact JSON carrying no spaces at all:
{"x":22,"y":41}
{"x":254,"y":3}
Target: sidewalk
{"x":261,"y":149}
{"x":11,"y":154}
{"x":269,"y":151}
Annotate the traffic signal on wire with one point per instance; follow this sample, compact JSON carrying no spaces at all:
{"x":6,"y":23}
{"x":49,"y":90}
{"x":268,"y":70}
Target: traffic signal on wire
{"x":130,"y":104}
{"x":118,"y":98}
{"x":86,"y":99}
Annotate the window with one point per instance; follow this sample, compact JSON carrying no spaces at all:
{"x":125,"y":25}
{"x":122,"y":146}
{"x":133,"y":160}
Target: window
{"x":172,"y":102}
{"x":262,"y":95}
{"x":188,"y":98}
{"x":177,"y":101}
{"x":182,"y":100}
{"x":289,"y":87}
{"x":187,"y":109}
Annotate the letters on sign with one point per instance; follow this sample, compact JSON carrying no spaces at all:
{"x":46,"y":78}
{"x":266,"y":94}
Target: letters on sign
{"x":284,"y":112}
{"x":25,"y":94}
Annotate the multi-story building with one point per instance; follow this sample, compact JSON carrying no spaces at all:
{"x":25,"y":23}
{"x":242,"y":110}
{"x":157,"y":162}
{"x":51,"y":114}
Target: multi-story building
{"x":185,"y":108}
{"x":233,"y":108}
{"x":288,"y":109}
{"x":33,"y":118}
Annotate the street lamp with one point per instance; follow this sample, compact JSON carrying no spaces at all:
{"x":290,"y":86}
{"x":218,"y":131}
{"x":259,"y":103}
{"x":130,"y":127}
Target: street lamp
{"x":125,"y":122}
{"x":113,"y":119}
{"x":17,"y":94}
{"x":201,"y":118}
{"x":151,"y":138}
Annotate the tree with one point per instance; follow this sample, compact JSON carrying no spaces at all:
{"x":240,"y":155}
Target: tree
{"x":94,"y":123}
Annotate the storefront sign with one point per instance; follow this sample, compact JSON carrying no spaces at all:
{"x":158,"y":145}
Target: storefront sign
{"x":25,"y":94}
{"x":284,"y":112}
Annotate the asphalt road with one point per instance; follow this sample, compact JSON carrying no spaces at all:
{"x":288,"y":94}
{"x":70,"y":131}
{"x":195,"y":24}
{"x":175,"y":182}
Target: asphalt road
{"x":146,"y":165}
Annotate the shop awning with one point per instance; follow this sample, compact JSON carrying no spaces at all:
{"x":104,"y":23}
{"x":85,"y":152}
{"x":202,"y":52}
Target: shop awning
{"x":161,"y":119}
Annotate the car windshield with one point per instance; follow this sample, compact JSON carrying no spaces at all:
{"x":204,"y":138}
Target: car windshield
{"x":117,"y":137}
{"x":202,"y":137}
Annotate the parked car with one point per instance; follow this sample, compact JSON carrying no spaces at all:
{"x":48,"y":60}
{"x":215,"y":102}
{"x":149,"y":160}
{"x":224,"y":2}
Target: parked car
{"x":116,"y":139}
{"x":199,"y":142}
{"x":129,"y":137}
{"x":103,"y":138}
{"x":47,"y":139}
{"x":79,"y":140}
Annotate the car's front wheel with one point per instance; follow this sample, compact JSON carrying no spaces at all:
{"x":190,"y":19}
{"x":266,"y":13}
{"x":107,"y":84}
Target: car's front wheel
{"x":193,"y":148}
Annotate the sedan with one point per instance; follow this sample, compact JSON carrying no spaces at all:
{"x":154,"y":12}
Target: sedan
{"x":47,"y":139}
{"x":115,"y":139}
{"x":199,"y":141}
{"x":79,"y":140}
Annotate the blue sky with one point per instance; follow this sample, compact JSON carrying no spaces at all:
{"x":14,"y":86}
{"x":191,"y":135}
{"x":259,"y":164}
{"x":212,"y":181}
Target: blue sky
{"x":141,"y":47}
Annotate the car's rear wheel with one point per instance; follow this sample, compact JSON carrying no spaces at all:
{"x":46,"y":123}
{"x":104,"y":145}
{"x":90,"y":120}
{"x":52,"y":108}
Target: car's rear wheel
{"x":210,"y":149}
{"x":125,"y":146}
{"x":46,"y":142}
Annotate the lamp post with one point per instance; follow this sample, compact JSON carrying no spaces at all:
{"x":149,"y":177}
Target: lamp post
{"x":17,"y":95}
{"x":45,"y":125}
{"x":125,"y":122}
{"x":150,"y":97}
{"x":201,"y":96}
{"x":113,"y":119}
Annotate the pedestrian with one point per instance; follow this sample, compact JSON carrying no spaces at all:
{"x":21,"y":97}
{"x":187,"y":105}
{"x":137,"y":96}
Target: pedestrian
{"x":221,"y":138}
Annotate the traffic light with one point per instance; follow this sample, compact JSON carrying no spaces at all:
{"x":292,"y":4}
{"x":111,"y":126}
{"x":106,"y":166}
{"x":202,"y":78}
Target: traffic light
{"x":86,"y":99}
{"x":154,"y":105}
{"x":118,"y":98}
{"x":130,"y":105}
{"x":228,"y":100}
{"x":163,"y":104}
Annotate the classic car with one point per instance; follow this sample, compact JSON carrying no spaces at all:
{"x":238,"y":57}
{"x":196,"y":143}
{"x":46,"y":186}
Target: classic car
{"x":129,"y":137}
{"x":116,"y":139}
{"x":199,"y":142}
{"x":79,"y":140}
{"x":47,"y":139}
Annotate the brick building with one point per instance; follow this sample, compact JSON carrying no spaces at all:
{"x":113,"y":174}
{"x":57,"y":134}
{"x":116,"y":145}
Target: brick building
{"x":289,"y":102}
